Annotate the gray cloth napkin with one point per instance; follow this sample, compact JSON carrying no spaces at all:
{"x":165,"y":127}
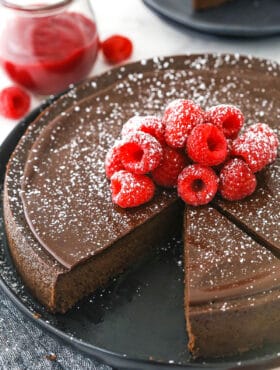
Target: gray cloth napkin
{"x":23,"y":345}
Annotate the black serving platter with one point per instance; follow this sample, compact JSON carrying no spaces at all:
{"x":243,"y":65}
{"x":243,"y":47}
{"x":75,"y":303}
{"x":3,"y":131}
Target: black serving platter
{"x":137,"y":322}
{"x":239,"y":18}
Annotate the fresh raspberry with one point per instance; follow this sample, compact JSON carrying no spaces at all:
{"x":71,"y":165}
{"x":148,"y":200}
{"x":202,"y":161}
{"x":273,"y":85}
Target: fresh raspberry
{"x":197,"y":184}
{"x":207,"y":145}
{"x":257,"y":146}
{"x":112,"y":162}
{"x":140,"y":152}
{"x":179,"y":118}
{"x":117,"y":48}
{"x":14,"y":102}
{"x":270,"y":134}
{"x":131,"y":190}
{"x":150,"y":124}
{"x":228,"y":118}
{"x":172,"y":163}
{"x":237,"y":181}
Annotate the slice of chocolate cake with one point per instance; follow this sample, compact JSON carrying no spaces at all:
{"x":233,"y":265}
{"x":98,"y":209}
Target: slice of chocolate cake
{"x":232,"y":283}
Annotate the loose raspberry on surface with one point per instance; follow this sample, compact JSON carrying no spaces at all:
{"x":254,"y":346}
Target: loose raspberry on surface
{"x":179,"y":118}
{"x":140,"y":153}
{"x":237,"y":181}
{"x":207,"y":145}
{"x":150,"y":124}
{"x":14,"y":102}
{"x":131,"y":190}
{"x":257,"y":146}
{"x":197,"y":184}
{"x":117,"y":48}
{"x":171,"y":165}
{"x":112,"y":162}
{"x":228,"y":118}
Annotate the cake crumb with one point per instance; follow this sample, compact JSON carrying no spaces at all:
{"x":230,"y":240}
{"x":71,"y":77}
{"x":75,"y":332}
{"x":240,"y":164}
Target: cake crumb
{"x":36,"y":315}
{"x":51,"y":357}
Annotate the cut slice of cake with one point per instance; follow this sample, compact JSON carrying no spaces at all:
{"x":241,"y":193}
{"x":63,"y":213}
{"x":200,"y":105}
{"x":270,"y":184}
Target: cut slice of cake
{"x":232,"y":298}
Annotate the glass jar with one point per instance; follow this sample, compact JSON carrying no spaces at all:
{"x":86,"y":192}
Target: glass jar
{"x":46,"y":45}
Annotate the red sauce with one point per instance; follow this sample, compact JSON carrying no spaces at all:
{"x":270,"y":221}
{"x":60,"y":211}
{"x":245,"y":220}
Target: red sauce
{"x":46,"y":54}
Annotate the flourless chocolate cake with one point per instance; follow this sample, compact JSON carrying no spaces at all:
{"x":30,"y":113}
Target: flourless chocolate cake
{"x":67,"y":238}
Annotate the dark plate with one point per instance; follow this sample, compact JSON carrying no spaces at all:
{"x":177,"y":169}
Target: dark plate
{"x":137,"y":322}
{"x":242,"y":18}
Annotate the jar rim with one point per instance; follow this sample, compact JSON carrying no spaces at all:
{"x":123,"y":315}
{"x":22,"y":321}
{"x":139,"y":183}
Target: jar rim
{"x":34,"y":7}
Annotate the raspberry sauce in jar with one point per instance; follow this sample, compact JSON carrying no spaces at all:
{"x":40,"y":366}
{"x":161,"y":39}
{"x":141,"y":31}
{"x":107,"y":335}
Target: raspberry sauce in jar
{"x":47,"y":45}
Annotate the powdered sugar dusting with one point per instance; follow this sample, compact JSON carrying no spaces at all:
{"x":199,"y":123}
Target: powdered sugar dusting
{"x":234,"y":266}
{"x":260,"y":212}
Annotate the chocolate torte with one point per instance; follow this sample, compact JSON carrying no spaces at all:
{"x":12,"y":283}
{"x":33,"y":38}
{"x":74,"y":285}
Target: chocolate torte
{"x":67,"y":238}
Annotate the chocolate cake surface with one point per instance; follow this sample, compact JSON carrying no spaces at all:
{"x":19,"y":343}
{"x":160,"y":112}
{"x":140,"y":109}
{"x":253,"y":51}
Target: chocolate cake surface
{"x":67,"y":161}
{"x":66,"y":236}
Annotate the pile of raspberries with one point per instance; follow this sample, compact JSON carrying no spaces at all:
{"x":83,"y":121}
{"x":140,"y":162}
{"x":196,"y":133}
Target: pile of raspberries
{"x":199,"y":152}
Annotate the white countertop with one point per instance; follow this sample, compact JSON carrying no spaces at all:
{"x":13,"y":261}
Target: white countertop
{"x":153,"y":36}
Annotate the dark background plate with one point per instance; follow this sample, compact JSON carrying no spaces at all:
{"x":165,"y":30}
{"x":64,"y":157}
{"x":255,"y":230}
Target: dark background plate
{"x":136,"y":321}
{"x":242,"y":18}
